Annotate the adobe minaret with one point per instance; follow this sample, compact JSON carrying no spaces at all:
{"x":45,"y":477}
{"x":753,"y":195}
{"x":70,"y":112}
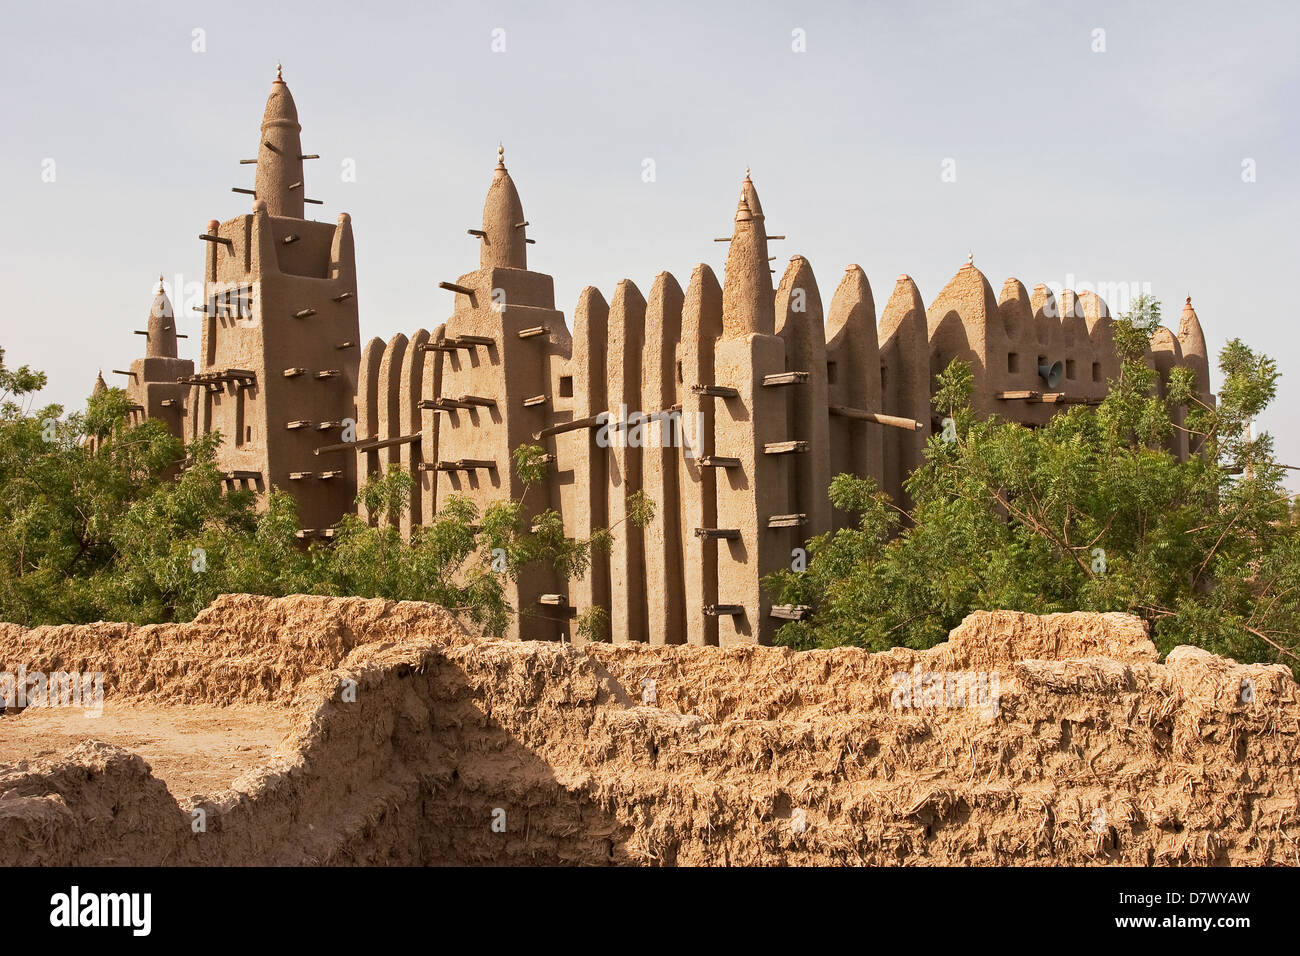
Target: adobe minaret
{"x":756,"y":526}
{"x":278,"y":364}
{"x":1196,"y":356}
{"x":501,"y":350}
{"x":279,"y":156}
{"x":153,"y":385}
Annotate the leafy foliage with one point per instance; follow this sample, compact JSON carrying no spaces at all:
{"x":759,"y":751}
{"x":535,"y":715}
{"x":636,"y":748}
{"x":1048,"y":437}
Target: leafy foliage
{"x":1143,"y":313}
{"x":1090,"y":511}
{"x":99,"y":521}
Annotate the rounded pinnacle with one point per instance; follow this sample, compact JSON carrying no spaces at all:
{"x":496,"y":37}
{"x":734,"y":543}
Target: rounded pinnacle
{"x":279,"y":71}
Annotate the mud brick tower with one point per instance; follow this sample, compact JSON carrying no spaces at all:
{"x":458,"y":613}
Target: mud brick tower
{"x":501,"y":350}
{"x":755,"y":459}
{"x":155,"y":382}
{"x":277,"y":370}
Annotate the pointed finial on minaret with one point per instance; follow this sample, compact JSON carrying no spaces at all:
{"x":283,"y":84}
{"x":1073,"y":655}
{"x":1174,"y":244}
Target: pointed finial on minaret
{"x":747,"y":301}
{"x":970,"y":258}
{"x":505,"y":242}
{"x":279,"y":72}
{"x":279,"y":178}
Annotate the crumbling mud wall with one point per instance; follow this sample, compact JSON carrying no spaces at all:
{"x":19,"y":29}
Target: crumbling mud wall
{"x":1023,"y":740}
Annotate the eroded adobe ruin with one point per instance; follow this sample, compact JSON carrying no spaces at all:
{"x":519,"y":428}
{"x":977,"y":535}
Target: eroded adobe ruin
{"x":344,"y":731}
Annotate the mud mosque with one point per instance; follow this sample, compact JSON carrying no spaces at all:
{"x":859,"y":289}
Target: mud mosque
{"x":731,"y":404}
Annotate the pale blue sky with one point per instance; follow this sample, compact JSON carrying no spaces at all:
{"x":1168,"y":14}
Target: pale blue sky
{"x":1113,"y":167}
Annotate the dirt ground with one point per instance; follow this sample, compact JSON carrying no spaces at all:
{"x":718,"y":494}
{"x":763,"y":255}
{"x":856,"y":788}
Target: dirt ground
{"x":193,"y":750}
{"x":308,"y":730}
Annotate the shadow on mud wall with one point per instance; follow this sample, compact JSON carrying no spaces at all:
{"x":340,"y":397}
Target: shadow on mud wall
{"x":485,"y":797}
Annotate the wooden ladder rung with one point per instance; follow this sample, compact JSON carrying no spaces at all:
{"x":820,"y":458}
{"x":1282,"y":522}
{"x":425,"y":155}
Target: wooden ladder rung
{"x":789,"y":612}
{"x":785,"y":378}
{"x":715,"y":391}
{"x":786,"y":521}
{"x":724,"y":610}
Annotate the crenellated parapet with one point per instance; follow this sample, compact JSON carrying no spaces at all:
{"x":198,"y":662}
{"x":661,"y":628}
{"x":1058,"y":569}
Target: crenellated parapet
{"x":904,"y":385}
{"x":853,"y":367}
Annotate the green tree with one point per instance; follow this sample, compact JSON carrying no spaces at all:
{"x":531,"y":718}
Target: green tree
{"x":96,"y":524}
{"x":1088,"y":512}
{"x":1143,"y":313}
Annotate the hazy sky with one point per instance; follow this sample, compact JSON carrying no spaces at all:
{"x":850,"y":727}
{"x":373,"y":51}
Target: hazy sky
{"x":1125,"y":166}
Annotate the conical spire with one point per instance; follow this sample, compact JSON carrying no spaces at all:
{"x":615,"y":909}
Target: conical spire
{"x":747,"y":299}
{"x":1196,"y":356}
{"x":279,"y":155}
{"x":161,"y":326}
{"x":100,"y":384}
{"x":1189,"y":329}
{"x":750,"y":195}
{"x":505,"y":244}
